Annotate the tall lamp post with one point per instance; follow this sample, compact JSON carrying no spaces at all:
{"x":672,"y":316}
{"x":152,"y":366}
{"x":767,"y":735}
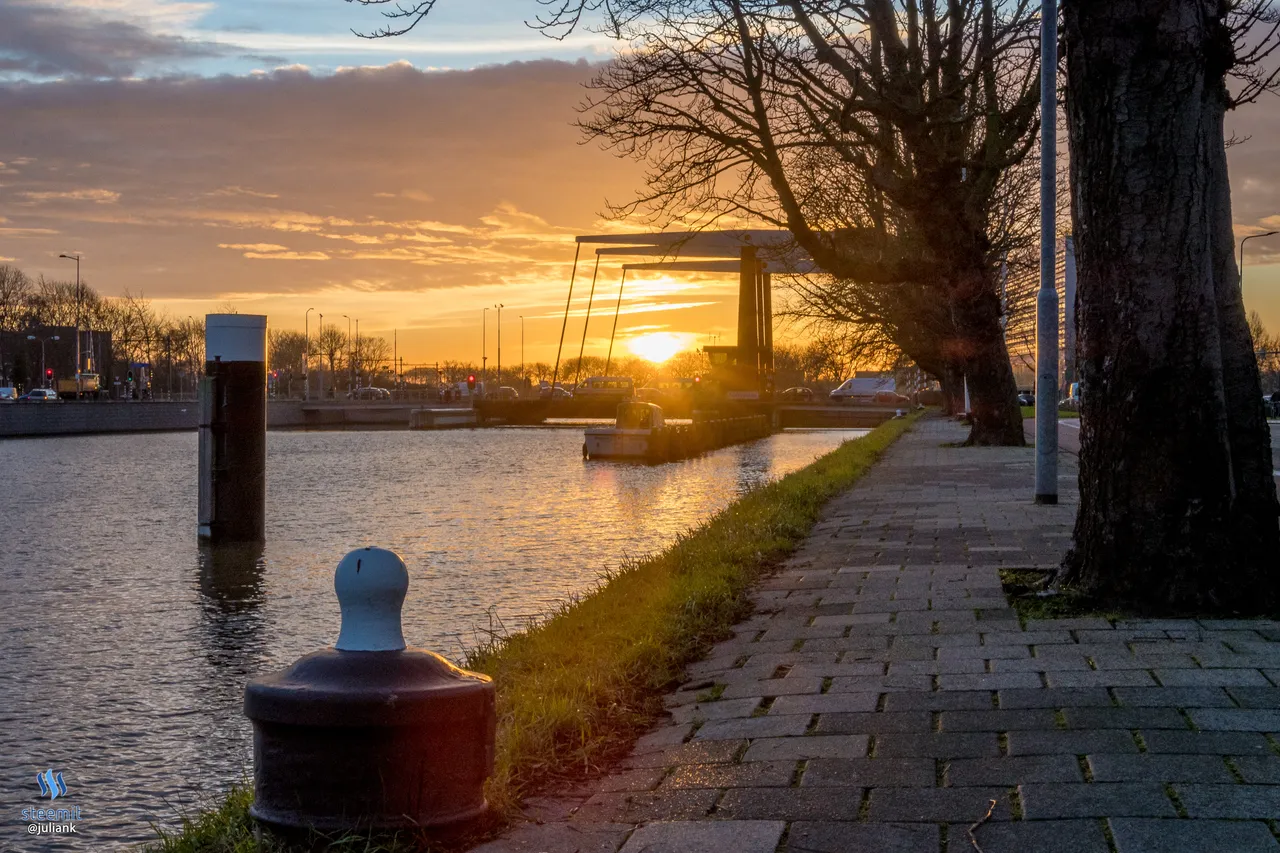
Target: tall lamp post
{"x":1046,"y":472}
{"x":484,"y":343}
{"x":524,"y":380}
{"x":42,"y":340}
{"x":76,"y":258}
{"x":352,"y":359}
{"x":1242,"y":242}
{"x":306,"y":354}
{"x":499,"y":307}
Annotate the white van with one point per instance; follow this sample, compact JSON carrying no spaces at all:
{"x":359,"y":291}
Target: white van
{"x":862,"y":390}
{"x":597,"y":387}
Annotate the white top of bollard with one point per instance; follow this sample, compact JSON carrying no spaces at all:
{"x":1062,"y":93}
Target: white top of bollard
{"x":371,"y":584}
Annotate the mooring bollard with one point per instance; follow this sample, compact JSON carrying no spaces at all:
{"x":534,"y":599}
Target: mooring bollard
{"x":370,"y":734}
{"x":233,"y":430}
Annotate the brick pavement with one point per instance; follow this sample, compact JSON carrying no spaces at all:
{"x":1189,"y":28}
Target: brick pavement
{"x":884,"y":694}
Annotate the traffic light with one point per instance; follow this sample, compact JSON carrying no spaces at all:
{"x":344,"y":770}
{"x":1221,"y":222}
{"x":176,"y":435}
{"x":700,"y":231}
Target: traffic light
{"x":129,"y":378}
{"x":471,"y":382}
{"x":49,"y":373}
{"x":697,"y":380}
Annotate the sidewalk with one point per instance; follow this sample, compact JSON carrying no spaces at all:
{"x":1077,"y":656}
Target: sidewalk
{"x":884,"y":695}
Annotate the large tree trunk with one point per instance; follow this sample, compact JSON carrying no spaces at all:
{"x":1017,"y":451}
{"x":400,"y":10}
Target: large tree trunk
{"x":1177,"y":506}
{"x":951,"y":378}
{"x":980,"y":348}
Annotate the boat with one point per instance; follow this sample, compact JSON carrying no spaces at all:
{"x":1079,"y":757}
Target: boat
{"x":639,"y":432}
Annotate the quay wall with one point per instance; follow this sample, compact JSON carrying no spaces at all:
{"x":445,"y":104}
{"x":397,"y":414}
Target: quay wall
{"x":20,"y":420}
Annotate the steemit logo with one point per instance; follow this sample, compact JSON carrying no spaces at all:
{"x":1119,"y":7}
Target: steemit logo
{"x":51,"y":784}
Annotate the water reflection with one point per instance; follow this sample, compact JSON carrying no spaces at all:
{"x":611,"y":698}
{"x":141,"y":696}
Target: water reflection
{"x":232,"y":590}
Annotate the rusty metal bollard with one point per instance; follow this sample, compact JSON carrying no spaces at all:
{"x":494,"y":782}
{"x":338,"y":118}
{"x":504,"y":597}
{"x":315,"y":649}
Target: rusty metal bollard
{"x":370,"y":734}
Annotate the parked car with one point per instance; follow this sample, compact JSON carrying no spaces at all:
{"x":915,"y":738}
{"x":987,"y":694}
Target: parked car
{"x":1026,"y":398}
{"x":797,"y":395}
{"x":861,"y":390}
{"x":651,"y":395}
{"x":8,"y":395}
{"x":506,"y":392}
{"x":545,"y":393}
{"x":369,"y":392}
{"x":39,"y":395}
{"x":891,"y":398}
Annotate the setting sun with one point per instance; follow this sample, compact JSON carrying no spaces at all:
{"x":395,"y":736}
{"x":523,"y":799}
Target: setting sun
{"x":658,"y":346}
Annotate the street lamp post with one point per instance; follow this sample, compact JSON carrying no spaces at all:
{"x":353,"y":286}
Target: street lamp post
{"x":499,"y":307}
{"x":1242,"y":242}
{"x":306,"y":354}
{"x":524,"y":380}
{"x":352,"y":358}
{"x":42,"y":340}
{"x":484,"y":344}
{"x":76,"y":258}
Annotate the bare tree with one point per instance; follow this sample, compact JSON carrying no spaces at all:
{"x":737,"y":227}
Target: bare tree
{"x":15,"y":299}
{"x":879,"y":133}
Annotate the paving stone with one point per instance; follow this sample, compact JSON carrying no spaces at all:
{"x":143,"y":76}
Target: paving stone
{"x":662,"y":738}
{"x":810,"y":803}
{"x":811,"y":746}
{"x":869,"y":772}
{"x":824,"y":703}
{"x":938,"y":804}
{"x":540,"y":838}
{"x":875,"y":723}
{"x":1070,"y":742}
{"x":1173,"y":697}
{"x":988,"y":652}
{"x":998,"y":720}
{"x":1124,"y":718}
{"x":717,"y":710}
{"x":706,"y":752}
{"x":740,"y":836}
{"x":1236,"y":719}
{"x":939,"y":745}
{"x":881,"y":684}
{"x":754,"y":774}
{"x":641,"y":806}
{"x":846,"y":837}
{"x":1034,"y":836}
{"x":772,"y":687}
{"x":990,"y":681}
{"x":1211,"y":678}
{"x":769,"y":725}
{"x":1054,"y":663}
{"x":644,"y":779}
{"x":1136,"y":835}
{"x":1061,"y":697}
{"x":1095,"y":799}
{"x":1258,"y":769}
{"x":1206,"y":743}
{"x":1101,"y":678}
{"x":1164,"y":768}
{"x":1013,"y":770}
{"x":1230,"y":801}
{"x":938,"y":667}
{"x":1257,"y":697}
{"x":937,"y":701}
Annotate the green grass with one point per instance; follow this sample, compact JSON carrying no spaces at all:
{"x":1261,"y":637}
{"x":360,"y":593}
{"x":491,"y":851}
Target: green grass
{"x":1022,"y":585}
{"x":575,"y":690}
{"x":1030,"y":412}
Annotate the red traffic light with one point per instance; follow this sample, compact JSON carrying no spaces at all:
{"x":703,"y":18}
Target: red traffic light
{"x":471,"y":382}
{"x":49,"y":372}
{"x":697,"y":380}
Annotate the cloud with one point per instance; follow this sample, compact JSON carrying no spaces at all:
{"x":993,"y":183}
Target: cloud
{"x":417,"y":197}
{"x":97,"y":196}
{"x":44,"y":39}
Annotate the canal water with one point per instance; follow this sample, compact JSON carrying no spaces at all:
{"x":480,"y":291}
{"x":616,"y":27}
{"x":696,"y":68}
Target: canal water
{"x":125,"y":647}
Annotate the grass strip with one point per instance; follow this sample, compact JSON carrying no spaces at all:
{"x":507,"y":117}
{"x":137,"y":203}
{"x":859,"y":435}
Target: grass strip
{"x":576,"y":689}
{"x":1030,"y":412}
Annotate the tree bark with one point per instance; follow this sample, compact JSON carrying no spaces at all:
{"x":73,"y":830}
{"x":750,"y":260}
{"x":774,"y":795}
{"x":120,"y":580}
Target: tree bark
{"x":1178,"y":508}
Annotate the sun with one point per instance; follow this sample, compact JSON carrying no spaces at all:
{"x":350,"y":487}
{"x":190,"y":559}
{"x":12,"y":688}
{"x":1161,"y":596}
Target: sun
{"x":657,"y":346}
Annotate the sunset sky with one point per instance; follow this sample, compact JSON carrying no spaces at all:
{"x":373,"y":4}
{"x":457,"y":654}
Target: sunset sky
{"x":257,"y":152}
